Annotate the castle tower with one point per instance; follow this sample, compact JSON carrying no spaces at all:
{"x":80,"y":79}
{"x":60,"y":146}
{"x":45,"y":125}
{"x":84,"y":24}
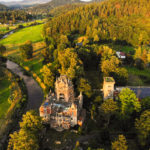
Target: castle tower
{"x":108,"y":87}
{"x":64,"y":89}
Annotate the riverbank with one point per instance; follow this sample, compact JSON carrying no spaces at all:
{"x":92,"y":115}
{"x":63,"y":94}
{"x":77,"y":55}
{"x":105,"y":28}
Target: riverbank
{"x":16,"y":100}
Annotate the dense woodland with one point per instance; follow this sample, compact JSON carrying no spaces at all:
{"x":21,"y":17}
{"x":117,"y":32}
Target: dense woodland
{"x":46,"y":8}
{"x":13,"y":16}
{"x":103,"y":21}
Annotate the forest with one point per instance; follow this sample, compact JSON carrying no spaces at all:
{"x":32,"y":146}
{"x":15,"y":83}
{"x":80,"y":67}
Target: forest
{"x":13,"y":16}
{"x":121,"y":23}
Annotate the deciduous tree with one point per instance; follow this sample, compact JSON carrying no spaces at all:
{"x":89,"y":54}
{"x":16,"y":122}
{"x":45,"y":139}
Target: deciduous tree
{"x":27,"y":50}
{"x":120,"y":143}
{"x":84,"y":86}
{"x":109,"y":107}
{"x":70,"y":64}
{"x":48,"y":75}
{"x":128,"y":102}
{"x":143,"y":127}
{"x":2,"y":49}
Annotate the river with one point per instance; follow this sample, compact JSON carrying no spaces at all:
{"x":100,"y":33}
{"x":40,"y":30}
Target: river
{"x":35,"y":93}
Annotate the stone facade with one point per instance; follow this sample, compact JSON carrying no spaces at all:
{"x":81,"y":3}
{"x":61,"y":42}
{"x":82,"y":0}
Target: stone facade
{"x":61,"y":109}
{"x":108,"y":88}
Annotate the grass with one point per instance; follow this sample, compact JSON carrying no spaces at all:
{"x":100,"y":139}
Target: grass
{"x":138,"y":77}
{"x":4,"y":27}
{"x":122,"y":48}
{"x":34,"y":64}
{"x":13,"y":42}
{"x":32,"y":33}
{"x":4,"y":94}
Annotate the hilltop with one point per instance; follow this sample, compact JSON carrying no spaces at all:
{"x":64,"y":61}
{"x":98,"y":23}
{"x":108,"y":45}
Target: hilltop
{"x":24,"y":3}
{"x":3,"y":7}
{"x":45,"y":8}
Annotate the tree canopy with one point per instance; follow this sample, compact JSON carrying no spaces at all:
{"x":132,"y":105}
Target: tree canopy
{"x":128,"y":102}
{"x":120,"y":143}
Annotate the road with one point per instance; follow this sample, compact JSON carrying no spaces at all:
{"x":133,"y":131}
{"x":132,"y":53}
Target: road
{"x":35,"y":93}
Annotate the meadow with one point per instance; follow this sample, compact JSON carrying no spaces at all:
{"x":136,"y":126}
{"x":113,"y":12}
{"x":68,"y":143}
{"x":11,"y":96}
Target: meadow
{"x":13,"y":43}
{"x":4,"y":28}
{"x":32,"y":33}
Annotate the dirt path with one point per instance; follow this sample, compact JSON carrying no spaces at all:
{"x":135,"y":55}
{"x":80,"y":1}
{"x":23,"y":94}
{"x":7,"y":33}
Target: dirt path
{"x":35,"y":93}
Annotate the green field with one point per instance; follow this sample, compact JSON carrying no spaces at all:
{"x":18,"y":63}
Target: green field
{"x":32,"y":33}
{"x":138,"y":77}
{"x":4,"y":94}
{"x":4,"y":28}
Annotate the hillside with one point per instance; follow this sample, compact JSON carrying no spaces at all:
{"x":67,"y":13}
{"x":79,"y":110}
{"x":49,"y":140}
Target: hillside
{"x":45,"y":8}
{"x":3,"y":7}
{"x":125,"y":21}
{"x":24,"y":3}
{"x":64,"y":9}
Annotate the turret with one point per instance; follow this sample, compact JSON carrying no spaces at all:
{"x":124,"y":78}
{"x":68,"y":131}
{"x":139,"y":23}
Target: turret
{"x":108,"y":87}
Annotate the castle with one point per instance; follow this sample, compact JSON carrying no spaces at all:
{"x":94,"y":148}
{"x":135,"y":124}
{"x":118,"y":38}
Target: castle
{"x":61,"y":109}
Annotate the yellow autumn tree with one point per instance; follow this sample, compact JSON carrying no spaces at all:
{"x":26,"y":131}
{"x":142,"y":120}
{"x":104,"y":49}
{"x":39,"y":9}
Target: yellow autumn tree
{"x":120,"y":143}
{"x":48,"y":75}
{"x":70,"y":64}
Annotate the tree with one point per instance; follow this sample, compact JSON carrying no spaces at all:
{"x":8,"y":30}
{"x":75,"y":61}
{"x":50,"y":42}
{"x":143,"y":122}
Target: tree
{"x":144,"y":56}
{"x":143,"y":127}
{"x":48,"y":54}
{"x":145,"y":103}
{"x":70,"y":64}
{"x":27,"y":50}
{"x":111,"y":65}
{"x":84,"y":86}
{"x":77,"y":146}
{"x":27,"y":137}
{"x":64,"y":42}
{"x":106,"y":53}
{"x":23,"y":140}
{"x":109,"y":107}
{"x":120,"y":143}
{"x":48,"y":75}
{"x":139,"y":64}
{"x":128,"y":102}
{"x":31,"y":122}
{"x":138,"y":53}
{"x":2,"y":49}
{"x":120,"y":76}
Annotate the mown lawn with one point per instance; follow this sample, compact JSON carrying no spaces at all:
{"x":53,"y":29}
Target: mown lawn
{"x":4,"y":95}
{"x":32,"y":33}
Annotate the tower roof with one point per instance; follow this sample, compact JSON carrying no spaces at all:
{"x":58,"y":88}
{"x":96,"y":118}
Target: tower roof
{"x":109,"y":79}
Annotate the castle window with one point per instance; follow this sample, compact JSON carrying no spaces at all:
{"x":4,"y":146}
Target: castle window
{"x":61,"y":96}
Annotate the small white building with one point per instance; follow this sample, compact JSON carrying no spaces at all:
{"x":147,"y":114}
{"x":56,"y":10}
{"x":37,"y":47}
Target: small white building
{"x":121,"y":55}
